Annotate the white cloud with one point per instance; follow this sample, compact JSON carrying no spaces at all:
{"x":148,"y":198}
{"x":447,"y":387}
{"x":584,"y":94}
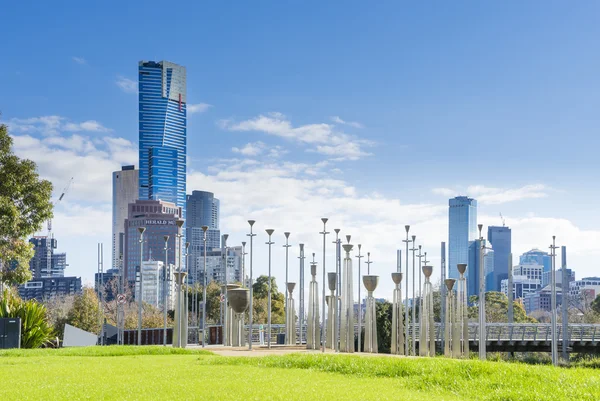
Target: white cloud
{"x":322,"y":136}
{"x":79,"y":60}
{"x":250,"y":149}
{"x":496,"y":196}
{"x":53,"y":125}
{"x":198,"y":108}
{"x":127,"y":85}
{"x":338,"y":120}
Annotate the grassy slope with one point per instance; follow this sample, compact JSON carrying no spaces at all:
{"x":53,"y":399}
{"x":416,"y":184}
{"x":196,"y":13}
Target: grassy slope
{"x":156,"y":373}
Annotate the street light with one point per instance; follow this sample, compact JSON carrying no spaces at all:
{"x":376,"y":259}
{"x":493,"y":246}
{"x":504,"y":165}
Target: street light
{"x":141,"y":231}
{"x":250,"y":285}
{"x":244,"y":263}
{"x":179,"y":236}
{"x":323,"y":329}
{"x":269,"y":232}
{"x":406,"y":314}
{"x":482,"y":326}
{"x":554,"y":345}
{"x":420,"y":256}
{"x":414,"y":307}
{"x":287,"y":311}
{"x":186,"y":306}
{"x":204,"y":284}
{"x":336,"y":301}
{"x":165,"y":278}
{"x":359,"y":257}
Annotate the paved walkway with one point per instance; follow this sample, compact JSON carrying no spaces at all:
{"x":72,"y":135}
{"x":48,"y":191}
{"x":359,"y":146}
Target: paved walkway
{"x":260,"y":351}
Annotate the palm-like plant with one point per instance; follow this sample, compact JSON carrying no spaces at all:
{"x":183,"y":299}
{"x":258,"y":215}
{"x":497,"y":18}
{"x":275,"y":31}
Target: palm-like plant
{"x":36,"y":331}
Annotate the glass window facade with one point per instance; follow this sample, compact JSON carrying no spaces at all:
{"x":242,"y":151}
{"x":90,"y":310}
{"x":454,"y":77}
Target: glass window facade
{"x":501,"y":240}
{"x":462,"y":229}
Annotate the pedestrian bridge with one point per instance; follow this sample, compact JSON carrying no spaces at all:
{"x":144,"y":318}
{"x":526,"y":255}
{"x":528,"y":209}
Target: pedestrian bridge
{"x":527,"y":337}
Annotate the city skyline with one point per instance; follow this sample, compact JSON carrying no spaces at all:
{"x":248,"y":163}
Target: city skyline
{"x":286,"y":143}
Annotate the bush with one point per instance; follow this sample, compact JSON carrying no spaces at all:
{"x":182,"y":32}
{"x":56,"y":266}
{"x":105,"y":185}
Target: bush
{"x":36,"y":331}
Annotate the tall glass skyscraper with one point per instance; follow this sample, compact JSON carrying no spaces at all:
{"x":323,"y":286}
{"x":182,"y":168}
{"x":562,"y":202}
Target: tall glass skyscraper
{"x":500,"y":238}
{"x":202,"y":210}
{"x":162,"y":132}
{"x":462,"y":228}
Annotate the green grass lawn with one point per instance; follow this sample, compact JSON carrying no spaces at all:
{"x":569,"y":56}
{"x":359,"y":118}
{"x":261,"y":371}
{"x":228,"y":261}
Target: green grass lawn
{"x":157,"y":373}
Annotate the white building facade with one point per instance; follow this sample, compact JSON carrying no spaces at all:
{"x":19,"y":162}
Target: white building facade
{"x":125,"y":191}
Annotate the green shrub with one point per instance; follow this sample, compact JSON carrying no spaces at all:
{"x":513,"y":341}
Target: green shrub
{"x":36,"y":331}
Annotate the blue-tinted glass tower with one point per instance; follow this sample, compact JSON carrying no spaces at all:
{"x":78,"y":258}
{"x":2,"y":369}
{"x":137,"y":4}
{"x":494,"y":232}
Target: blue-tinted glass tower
{"x":162,"y":132}
{"x":462,"y":229}
{"x":203,"y":209}
{"x":537,"y":257}
{"x":501,"y":240}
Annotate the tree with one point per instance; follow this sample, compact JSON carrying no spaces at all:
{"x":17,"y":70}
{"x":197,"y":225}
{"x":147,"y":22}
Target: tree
{"x":24,"y":206}
{"x":85,"y":311}
{"x":596,"y":304}
{"x":496,"y":309}
{"x":383,"y":313}
{"x":36,"y":331}
{"x":260,"y":302}
{"x":58,"y":312}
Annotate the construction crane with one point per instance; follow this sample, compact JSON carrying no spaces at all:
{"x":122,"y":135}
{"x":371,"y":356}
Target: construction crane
{"x":56,"y":202}
{"x":503,"y":221}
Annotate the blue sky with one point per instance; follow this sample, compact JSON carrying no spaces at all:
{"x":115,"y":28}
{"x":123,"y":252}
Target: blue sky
{"x":372,"y":114}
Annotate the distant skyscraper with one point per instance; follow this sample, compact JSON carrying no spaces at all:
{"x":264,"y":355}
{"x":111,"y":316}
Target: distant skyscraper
{"x":162,"y":132}
{"x":462,"y":229}
{"x":202,"y":210}
{"x":159,"y":218}
{"x":500,"y":238}
{"x":537,"y":257}
{"x":125,"y":191}
{"x":473,"y":265}
{"x":46,"y":263}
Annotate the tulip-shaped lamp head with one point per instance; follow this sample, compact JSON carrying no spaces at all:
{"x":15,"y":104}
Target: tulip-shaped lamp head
{"x":449,"y":283}
{"x":397,"y":277}
{"x":462,"y":268}
{"x":370,"y":282}
{"x":290,"y":287}
{"x":332,"y":280}
{"x":427,"y":270}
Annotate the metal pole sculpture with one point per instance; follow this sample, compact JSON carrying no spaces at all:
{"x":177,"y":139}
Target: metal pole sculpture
{"x":227,"y":310}
{"x":420,"y":256}
{"x":450,"y":316}
{"x":370,"y":283}
{"x":482,"y":325}
{"x":443,"y":292}
{"x":164,"y":297}
{"x":427,"y":332}
{"x":313,"y":335}
{"x":323,"y":328}
{"x":331,"y":312}
{"x":181,"y":301}
{"x":460,"y":333}
{"x":406,"y":309}
{"x":244,"y":253}
{"x":347,"y":318}
{"x":251,"y":287}
{"x":397,"y":324}
{"x":414,"y":299}
{"x":179,"y":337}
{"x":564,"y":304}
{"x":290,"y":319}
{"x":229,"y":327}
{"x":359,"y":257}
{"x":368,"y":262}
{"x":301,"y":317}
{"x":141,"y":231}
{"x":511,"y":314}
{"x":287,"y":309}
{"x":238,"y":301}
{"x":554,"y":316}
{"x":204,"y":284}
{"x":336,"y":325}
{"x":269,"y":232}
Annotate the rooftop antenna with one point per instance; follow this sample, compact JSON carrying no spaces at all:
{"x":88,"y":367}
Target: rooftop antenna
{"x":503,"y":221}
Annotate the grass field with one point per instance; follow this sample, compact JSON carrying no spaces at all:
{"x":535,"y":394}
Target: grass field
{"x":152,"y":373}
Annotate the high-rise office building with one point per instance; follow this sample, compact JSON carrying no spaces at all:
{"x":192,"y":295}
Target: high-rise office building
{"x":46,"y":288}
{"x":202,"y":210}
{"x":125,"y":184}
{"x":462,"y":229}
{"x":160,"y":219}
{"x":537,"y":257}
{"x":473,"y":265}
{"x":500,"y":238}
{"x":162,"y":132}
{"x":215,"y":265}
{"x":46,"y":263}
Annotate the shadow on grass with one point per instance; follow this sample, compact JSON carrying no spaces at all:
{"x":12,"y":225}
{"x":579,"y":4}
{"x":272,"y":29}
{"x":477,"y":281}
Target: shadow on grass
{"x":96,"y":351}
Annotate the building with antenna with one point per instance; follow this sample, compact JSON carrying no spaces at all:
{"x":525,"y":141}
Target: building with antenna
{"x":501,"y":240}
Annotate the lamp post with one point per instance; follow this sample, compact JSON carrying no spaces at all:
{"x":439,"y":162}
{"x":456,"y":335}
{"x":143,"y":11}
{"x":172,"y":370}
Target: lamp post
{"x":301,"y":296}
{"x":244,"y":263}
{"x":186,"y":305}
{"x":204,"y":284}
{"x":482,"y":326}
{"x":164,"y":297}
{"x":141,"y":231}
{"x":414,"y":306}
{"x":250,"y":285}
{"x":323,"y":329}
{"x":179,"y":236}
{"x":269,"y":233}
{"x":554,"y":344}
{"x":226,"y":322}
{"x":406,"y":314}
{"x":359,"y":257}
{"x":287,"y":309}
{"x":420,"y":298}
{"x":336,"y":301}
